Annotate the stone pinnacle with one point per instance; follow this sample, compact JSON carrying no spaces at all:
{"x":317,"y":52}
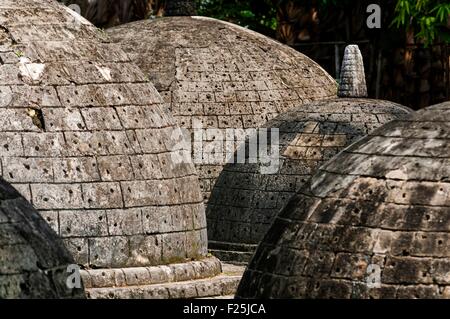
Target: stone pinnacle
{"x":353,"y":80}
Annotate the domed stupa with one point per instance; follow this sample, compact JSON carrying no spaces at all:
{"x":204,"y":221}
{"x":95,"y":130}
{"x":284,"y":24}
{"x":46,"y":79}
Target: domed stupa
{"x":85,"y":138}
{"x":247,"y":196}
{"x":34,"y":263}
{"x":374,"y":222}
{"x":215,"y":76}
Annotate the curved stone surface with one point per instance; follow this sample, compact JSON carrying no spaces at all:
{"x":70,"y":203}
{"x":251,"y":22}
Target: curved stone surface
{"x":245,"y":199}
{"x":85,"y":139}
{"x":33,"y":260}
{"x":214,"y":74}
{"x":372,"y":223}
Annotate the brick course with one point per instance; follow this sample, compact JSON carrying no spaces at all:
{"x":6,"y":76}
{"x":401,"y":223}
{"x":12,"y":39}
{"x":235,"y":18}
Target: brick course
{"x":85,"y":138}
{"x":372,"y":223}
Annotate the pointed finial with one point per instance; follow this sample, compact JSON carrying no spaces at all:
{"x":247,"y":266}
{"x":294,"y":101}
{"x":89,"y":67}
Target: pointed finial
{"x":353,"y":79}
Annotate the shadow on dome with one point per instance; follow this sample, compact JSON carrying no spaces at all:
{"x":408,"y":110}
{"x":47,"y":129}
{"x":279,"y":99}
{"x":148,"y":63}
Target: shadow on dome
{"x":371,"y":223}
{"x":33,"y":260}
{"x":245,"y":201}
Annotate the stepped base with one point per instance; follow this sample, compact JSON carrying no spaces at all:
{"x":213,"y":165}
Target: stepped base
{"x":237,"y":254}
{"x":232,"y":257}
{"x":202,"y":288}
{"x":196,"y":279}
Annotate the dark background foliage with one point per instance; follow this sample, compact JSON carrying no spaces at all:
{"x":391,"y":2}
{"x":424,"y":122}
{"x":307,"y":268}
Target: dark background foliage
{"x":407,"y":60}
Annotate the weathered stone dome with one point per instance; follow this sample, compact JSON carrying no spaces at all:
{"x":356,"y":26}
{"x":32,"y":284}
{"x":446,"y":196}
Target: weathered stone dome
{"x":33,"y":260}
{"x":372,"y":223}
{"x":85,"y":139}
{"x":218,"y":75}
{"x":246,"y":199}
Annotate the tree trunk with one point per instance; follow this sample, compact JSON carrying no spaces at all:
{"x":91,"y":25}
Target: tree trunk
{"x":108,"y":13}
{"x":180,"y":8}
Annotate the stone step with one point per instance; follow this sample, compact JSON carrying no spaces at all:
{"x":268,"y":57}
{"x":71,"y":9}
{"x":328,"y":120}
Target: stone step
{"x":224,"y":245}
{"x":233,"y":270}
{"x":194,"y":279}
{"x":233,"y":257}
{"x":222,"y":286}
{"x":142,"y":276}
{"x":229,"y":270}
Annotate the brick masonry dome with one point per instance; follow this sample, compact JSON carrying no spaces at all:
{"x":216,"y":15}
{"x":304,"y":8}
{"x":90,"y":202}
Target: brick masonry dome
{"x":245,"y":199}
{"x":85,"y":139}
{"x":221,"y":75}
{"x":372,"y":223}
{"x":33,"y":260}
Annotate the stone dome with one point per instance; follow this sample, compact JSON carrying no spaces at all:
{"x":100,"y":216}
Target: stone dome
{"x":85,"y":139}
{"x":246,"y":199}
{"x":372,"y":223}
{"x":218,"y":75}
{"x":33,"y":260}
